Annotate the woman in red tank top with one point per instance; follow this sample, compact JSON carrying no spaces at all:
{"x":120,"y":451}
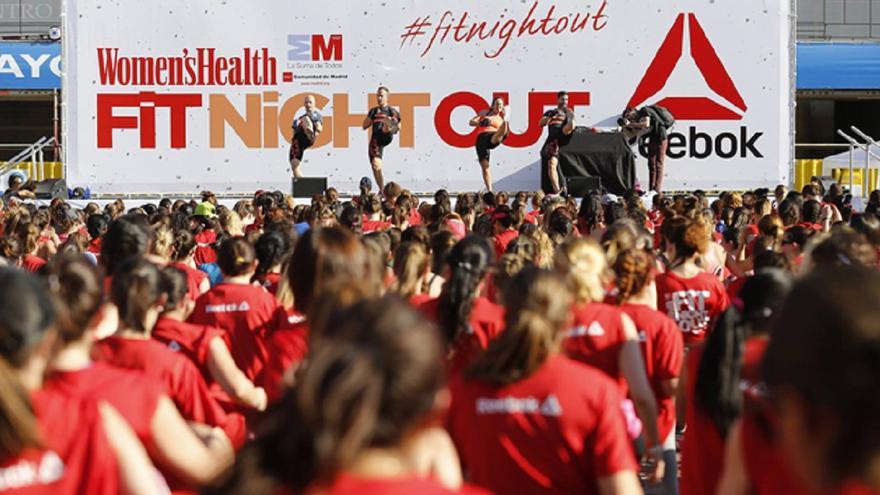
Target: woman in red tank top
{"x":661,"y":344}
{"x":186,"y":461}
{"x":822,"y":373}
{"x":603,"y":336}
{"x":363,"y":417}
{"x":687,"y":293}
{"x":51,"y":443}
{"x":721,"y":376}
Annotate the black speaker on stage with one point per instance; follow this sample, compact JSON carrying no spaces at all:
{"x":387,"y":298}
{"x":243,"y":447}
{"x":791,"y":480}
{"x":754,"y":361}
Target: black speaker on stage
{"x":51,"y":189}
{"x":306,"y":187}
{"x":579,"y":186}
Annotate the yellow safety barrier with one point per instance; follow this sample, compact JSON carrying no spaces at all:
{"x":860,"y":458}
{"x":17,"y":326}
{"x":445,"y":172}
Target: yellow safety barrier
{"x":841,"y":176}
{"x":51,"y":170}
{"x":804,"y":170}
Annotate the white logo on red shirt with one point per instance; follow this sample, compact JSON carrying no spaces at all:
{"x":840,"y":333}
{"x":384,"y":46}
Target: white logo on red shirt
{"x":520,"y":405}
{"x":593,"y":330}
{"x":174,"y":346}
{"x":228,"y":308}
{"x":688,"y":308}
{"x":28,"y":473}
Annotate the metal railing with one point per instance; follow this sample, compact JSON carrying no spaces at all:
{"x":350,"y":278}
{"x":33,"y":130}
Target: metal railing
{"x":866,"y":146}
{"x":34,"y":151}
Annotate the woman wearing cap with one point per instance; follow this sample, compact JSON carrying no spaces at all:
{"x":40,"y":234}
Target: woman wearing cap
{"x":493,"y":127}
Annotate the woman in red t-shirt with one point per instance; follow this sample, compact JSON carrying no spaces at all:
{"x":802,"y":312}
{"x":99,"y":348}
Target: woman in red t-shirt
{"x":141,"y":401}
{"x":372,"y":391}
{"x":603,"y":336}
{"x":137,"y":292}
{"x":183,"y":251}
{"x":661,"y":344}
{"x":273,"y":250}
{"x":686,"y":292}
{"x":50,"y":443}
{"x":411,"y":267}
{"x":205,"y":346}
{"x":822,"y":373}
{"x":526,"y":419}
{"x":720,"y":373}
{"x":327,"y":261}
{"x":468,"y":320}
{"x":248,"y":313}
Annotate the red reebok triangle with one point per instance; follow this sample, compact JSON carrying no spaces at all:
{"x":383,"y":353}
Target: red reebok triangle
{"x":711,"y":67}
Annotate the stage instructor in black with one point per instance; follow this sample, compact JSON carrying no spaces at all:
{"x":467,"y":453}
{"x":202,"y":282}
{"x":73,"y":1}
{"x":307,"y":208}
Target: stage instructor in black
{"x":560,"y":125}
{"x":649,"y":124}
{"x":306,"y":128}
{"x":385,"y":122}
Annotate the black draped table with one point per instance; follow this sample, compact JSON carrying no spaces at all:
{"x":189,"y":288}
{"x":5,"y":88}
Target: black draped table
{"x":606,"y":155}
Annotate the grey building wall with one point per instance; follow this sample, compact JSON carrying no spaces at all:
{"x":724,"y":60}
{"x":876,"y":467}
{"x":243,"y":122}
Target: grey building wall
{"x":838,"y":20}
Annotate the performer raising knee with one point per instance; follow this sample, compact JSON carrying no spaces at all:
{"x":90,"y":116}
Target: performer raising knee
{"x":385,"y":122}
{"x":560,"y":124}
{"x":493,"y":128}
{"x":306,"y":128}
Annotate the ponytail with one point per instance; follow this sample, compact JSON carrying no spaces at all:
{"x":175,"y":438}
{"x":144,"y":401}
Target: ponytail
{"x":372,"y":378}
{"x":235,"y":257}
{"x":583,"y":264}
{"x":25,"y":315}
{"x":78,"y":291}
{"x":411,"y":263}
{"x":468,"y":263}
{"x":717,"y":388}
{"x":184,"y":244}
{"x":136,"y":288}
{"x":634,"y":270}
{"x":537,"y":308}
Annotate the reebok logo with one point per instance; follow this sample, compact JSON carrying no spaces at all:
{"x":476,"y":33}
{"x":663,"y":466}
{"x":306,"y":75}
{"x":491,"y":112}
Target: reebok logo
{"x":228,"y":308}
{"x":670,"y":57}
{"x":685,"y":56}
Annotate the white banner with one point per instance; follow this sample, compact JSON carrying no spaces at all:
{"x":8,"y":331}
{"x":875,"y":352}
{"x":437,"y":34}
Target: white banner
{"x":169,"y":96}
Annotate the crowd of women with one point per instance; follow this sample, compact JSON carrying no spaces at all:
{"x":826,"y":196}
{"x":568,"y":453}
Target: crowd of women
{"x":508,"y":344}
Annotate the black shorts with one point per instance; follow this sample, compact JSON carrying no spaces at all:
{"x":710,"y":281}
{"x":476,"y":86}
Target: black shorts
{"x":485,"y":146}
{"x":378,"y":142}
{"x":299,"y":144}
{"x":550,"y":149}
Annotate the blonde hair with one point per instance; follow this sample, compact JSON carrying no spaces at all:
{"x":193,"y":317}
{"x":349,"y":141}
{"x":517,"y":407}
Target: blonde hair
{"x":537,"y":308}
{"x":163,"y":242}
{"x":231,"y":223}
{"x":582,"y":263}
{"x":544,"y":257}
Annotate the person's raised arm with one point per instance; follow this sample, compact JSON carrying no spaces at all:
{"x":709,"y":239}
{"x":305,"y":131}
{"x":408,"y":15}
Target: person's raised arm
{"x":569,"y":128}
{"x":475,"y":121}
{"x":544,"y":120}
